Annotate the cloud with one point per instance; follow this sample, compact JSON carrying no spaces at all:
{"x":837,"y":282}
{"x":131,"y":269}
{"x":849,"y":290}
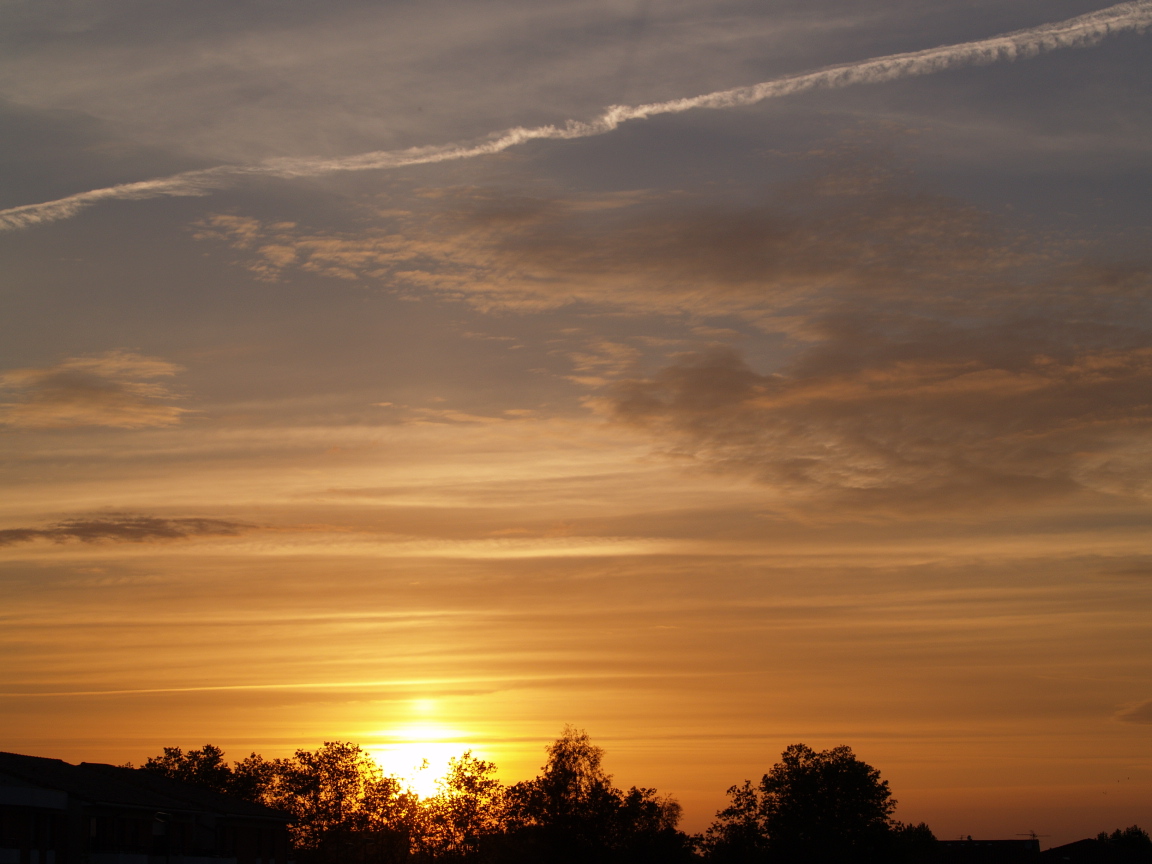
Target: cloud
{"x":1140,"y":713}
{"x":1081,"y":31}
{"x":919,"y":420}
{"x":927,"y":359}
{"x":123,"y":528}
{"x":116,"y":389}
{"x":852,"y":226}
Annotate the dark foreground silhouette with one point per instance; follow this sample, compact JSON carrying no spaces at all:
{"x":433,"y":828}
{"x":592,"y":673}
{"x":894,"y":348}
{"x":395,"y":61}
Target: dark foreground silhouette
{"x":812,"y":807}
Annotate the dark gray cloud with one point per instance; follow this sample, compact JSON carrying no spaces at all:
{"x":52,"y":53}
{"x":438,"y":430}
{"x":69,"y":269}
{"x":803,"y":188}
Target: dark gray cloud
{"x":124,"y":528}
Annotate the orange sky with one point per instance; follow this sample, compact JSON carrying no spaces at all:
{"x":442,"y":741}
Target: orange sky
{"x":550,"y":572}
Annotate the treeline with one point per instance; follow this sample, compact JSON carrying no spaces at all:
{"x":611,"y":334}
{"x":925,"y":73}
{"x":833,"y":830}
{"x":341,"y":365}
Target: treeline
{"x":812,"y":807}
{"x":346,"y":810}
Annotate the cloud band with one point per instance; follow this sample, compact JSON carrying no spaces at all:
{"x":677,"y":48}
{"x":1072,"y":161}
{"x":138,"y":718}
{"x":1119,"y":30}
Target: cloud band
{"x":123,"y":528}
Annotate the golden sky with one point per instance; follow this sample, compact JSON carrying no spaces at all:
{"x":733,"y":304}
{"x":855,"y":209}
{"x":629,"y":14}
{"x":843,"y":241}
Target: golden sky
{"x":823,"y":417}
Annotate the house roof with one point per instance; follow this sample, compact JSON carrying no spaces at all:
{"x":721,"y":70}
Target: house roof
{"x":1080,"y":851}
{"x":96,"y":783}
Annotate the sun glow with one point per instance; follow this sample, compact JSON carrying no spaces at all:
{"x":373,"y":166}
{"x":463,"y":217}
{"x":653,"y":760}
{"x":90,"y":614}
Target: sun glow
{"x":418,"y":753}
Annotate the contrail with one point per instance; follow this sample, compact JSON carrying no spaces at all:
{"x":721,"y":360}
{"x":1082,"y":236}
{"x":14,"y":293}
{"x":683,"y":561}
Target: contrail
{"x":1078,"y":32}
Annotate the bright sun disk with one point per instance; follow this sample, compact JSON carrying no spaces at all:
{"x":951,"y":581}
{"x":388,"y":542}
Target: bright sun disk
{"x":418,"y":754}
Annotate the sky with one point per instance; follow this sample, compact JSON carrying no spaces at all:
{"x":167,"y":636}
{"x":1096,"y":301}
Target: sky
{"x":366,"y":375}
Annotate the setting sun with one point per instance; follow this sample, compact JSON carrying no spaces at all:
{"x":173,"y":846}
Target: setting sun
{"x":419,"y":753}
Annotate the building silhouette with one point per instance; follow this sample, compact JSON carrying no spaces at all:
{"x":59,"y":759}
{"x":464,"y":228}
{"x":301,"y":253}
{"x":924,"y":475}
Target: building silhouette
{"x":53,"y":812}
{"x":989,"y":851}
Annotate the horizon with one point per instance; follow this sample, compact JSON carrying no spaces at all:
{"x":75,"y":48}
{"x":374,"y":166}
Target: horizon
{"x":425,"y":780}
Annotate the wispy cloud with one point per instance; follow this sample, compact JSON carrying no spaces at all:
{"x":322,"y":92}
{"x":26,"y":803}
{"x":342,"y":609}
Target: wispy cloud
{"x":850,"y":227}
{"x":1141,"y":713}
{"x":123,"y":528}
{"x":117,"y":389}
{"x":930,"y":359}
{"x":920,"y":424}
{"x":1081,"y":31}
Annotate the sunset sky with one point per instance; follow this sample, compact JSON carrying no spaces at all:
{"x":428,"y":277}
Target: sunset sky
{"x":818,"y":412}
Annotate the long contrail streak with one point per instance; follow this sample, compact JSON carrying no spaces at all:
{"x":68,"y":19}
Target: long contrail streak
{"x":1079,"y":32}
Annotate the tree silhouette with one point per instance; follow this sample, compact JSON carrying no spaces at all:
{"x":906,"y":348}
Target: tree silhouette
{"x":458,"y":823}
{"x":572,"y":813}
{"x":823,"y":807}
{"x":739,"y":834}
{"x":564,"y":814}
{"x":1130,"y":845}
{"x":252,"y":777}
{"x":914,"y":844}
{"x":249,"y":778}
{"x":811,"y":808}
{"x":345,"y":808}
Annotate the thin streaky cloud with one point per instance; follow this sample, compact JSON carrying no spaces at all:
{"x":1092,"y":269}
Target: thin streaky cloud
{"x":1079,"y":32}
{"x":1141,"y":713}
{"x":124,"y":528}
{"x":351,"y":685}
